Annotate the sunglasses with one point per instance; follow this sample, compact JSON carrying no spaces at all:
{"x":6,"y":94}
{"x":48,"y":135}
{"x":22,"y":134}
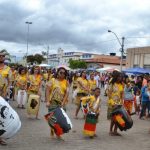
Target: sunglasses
{"x":2,"y":55}
{"x":62,"y":73}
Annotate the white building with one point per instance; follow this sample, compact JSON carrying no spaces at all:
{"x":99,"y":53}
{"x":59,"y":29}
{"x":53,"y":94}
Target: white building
{"x":138,"y":57}
{"x":92,"y":60}
{"x":62,"y":58}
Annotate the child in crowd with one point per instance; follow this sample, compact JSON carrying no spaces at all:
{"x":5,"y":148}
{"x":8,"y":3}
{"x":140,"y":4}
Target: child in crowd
{"x":91,"y":116}
{"x":106,"y":86}
{"x":138,"y":102}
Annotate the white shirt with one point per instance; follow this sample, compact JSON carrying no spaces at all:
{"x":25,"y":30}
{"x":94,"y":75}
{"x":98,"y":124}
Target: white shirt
{"x":97,"y":78}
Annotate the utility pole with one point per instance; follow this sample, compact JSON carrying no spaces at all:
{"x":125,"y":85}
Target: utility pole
{"x":28,"y":23}
{"x":122,"y":52}
{"x":122,"y":48}
{"x":47,"y":53}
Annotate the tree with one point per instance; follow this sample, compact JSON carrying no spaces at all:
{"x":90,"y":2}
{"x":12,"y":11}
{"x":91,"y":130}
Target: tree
{"x":38,"y":58}
{"x":75,"y":64}
{"x":7,"y":55}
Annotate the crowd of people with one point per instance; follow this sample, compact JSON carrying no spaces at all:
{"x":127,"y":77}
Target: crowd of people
{"x":53,"y":87}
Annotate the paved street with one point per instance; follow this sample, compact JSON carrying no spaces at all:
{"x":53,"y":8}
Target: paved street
{"x":34,"y":134}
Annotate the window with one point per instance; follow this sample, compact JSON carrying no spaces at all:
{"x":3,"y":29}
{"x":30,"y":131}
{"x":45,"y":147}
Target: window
{"x":146,"y":59}
{"x":135,"y":66}
{"x":146,"y":66}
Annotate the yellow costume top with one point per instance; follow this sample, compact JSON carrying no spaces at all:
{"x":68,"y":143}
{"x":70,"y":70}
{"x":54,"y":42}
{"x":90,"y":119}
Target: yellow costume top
{"x":81,"y":84}
{"x":58,"y":90}
{"x":13,"y":76}
{"x":5,"y":74}
{"x":35,"y":82}
{"x":21,"y":81}
{"x":114,"y":94}
{"x":92,"y":84}
{"x":94,"y":104}
{"x":75,"y":83}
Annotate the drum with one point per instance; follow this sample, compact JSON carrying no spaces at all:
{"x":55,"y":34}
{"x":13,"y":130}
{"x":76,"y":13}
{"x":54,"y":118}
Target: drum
{"x":22,"y":97}
{"x":9,"y":120}
{"x":90,"y":124}
{"x":59,"y":121}
{"x":33,"y":104}
{"x":122,"y":118}
{"x":11,"y":92}
{"x":85,"y":108}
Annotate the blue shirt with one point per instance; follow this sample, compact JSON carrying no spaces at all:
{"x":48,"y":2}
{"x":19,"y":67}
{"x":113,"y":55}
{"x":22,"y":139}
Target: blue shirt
{"x":144,"y":94}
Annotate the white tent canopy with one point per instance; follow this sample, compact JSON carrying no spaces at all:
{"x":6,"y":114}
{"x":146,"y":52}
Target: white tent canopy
{"x":44,"y":65}
{"x":106,"y":69}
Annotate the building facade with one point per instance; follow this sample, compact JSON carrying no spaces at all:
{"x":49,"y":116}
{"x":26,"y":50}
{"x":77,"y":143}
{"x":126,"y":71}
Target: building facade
{"x":138,"y":57}
{"x":103,"y":61}
{"x":62,"y":58}
{"x":92,"y":60}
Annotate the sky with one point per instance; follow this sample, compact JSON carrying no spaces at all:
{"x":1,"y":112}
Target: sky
{"x":73,"y":25}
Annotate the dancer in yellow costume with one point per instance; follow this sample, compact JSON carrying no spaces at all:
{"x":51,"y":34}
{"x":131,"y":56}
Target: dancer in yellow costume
{"x":92,"y":83}
{"x":94,"y":103}
{"x":21,"y":84}
{"x":12,"y":80}
{"x":83,"y":89}
{"x":5,"y":74}
{"x":35,"y":81}
{"x":50,"y":74}
{"x":34,"y":92}
{"x":115,"y":98}
{"x":75,"y":82}
{"x":57,"y":92}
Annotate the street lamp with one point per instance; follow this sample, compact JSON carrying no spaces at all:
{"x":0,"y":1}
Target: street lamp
{"x":122,"y":47}
{"x":28,"y":23}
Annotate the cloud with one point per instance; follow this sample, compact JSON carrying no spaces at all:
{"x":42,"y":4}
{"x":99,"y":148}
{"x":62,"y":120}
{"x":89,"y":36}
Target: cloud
{"x":74,"y":25}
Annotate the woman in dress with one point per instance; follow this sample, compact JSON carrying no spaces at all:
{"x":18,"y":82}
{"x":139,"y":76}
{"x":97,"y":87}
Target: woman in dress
{"x":21,"y":87}
{"x":57,"y":91}
{"x":83,"y":89}
{"x":115,"y":98}
{"x":74,"y":86}
{"x":34,"y":85}
{"x":92,"y":83}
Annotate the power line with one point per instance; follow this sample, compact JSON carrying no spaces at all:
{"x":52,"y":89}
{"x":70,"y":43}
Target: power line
{"x":144,"y":37}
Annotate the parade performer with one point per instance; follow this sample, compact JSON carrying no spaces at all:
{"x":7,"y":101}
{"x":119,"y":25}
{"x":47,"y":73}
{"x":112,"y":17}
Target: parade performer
{"x":57,"y":92}
{"x":75,"y":77}
{"x":115,"y":98}
{"x":82,"y":90}
{"x":50,"y":75}
{"x":74,"y":86}
{"x":12,"y":82}
{"x":92,"y":83}
{"x":21,"y":87}
{"x":34,"y":92}
{"x":5,"y":75}
{"x":9,"y":121}
{"x":94,"y":103}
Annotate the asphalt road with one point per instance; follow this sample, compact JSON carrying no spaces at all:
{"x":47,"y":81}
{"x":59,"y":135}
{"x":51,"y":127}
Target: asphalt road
{"x":35,"y":135}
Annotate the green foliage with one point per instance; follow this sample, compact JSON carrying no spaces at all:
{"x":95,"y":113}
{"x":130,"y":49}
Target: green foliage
{"x":75,"y":64}
{"x":44,"y":53}
{"x":7,"y":55}
{"x":38,"y":58}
